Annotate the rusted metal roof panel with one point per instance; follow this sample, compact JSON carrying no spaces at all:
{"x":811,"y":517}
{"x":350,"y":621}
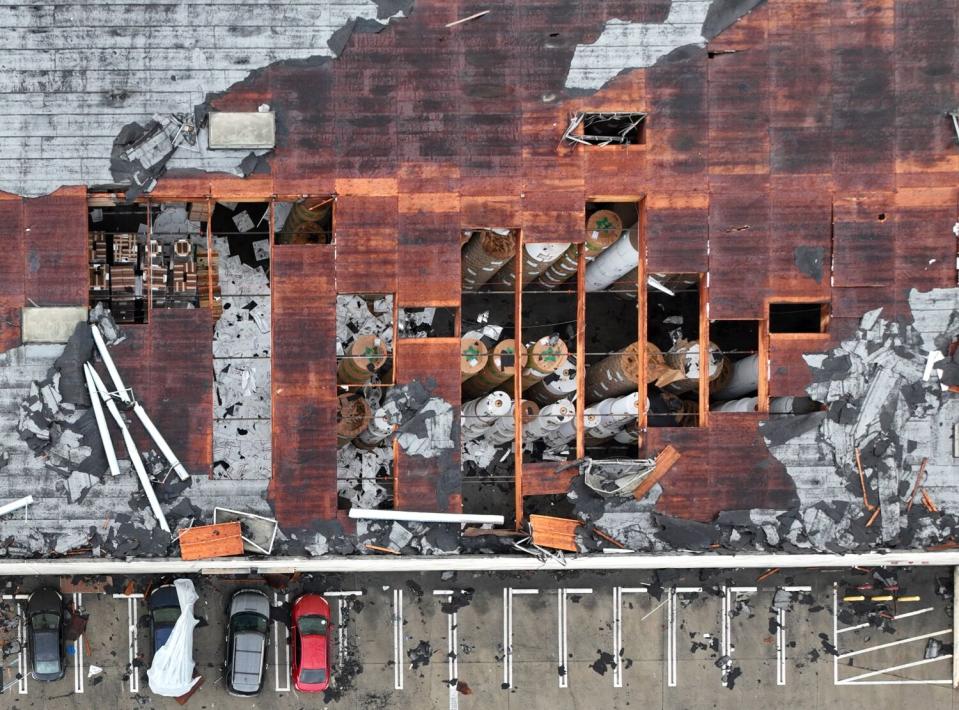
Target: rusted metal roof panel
{"x":303,"y":488}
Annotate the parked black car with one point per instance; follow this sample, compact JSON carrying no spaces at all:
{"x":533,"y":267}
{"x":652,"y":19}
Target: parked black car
{"x":247,"y":641}
{"x":45,"y":634}
{"x":164,"y":607}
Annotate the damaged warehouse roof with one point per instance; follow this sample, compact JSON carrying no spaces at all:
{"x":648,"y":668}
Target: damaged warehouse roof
{"x":626,"y":264}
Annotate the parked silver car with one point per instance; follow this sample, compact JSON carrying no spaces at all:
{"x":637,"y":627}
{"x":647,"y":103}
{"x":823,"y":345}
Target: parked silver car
{"x":246,"y":642}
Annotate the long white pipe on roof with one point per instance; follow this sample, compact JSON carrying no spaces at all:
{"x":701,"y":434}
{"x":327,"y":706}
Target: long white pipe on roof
{"x":15,"y":505}
{"x":416,"y":517}
{"x":101,"y":421}
{"x":131,"y":450}
{"x":138,"y":409}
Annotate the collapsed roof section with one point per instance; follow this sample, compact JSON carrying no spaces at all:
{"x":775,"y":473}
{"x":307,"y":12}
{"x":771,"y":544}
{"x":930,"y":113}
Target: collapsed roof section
{"x":298,"y":335}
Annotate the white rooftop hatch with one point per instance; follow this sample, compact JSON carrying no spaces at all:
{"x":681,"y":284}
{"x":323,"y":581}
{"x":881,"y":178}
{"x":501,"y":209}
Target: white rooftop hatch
{"x":253,"y":130}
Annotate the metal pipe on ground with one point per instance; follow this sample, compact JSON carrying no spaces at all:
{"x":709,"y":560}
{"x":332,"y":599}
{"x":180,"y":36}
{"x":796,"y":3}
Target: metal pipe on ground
{"x":500,"y":367}
{"x":353,"y":414}
{"x":485,"y":254}
{"x":743,"y":381}
{"x":475,"y":355}
{"x":537,"y":257}
{"x":362,"y":359}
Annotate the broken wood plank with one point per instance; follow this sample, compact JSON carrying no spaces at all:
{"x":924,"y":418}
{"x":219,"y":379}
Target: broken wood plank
{"x":378,"y":548}
{"x":608,"y":538}
{"x":862,"y":482}
{"x":556,"y":533}
{"x":220,"y":540}
{"x":667,"y":457}
{"x":767,"y":574}
{"x":915,"y":487}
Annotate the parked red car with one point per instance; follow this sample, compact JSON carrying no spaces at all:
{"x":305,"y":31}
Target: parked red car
{"x":310,"y":645}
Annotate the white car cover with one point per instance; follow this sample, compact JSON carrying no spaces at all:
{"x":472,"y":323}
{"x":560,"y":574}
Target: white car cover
{"x":171,"y":673}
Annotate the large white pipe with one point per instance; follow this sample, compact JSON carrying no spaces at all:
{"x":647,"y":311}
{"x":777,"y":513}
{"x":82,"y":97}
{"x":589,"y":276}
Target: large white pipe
{"x":132,"y":451}
{"x":160,"y":442}
{"x":144,"y":418}
{"x":747,"y":404}
{"x":101,"y":421}
{"x":414,"y":517}
{"x":550,"y":418}
{"x":558,"y":385}
{"x":616,"y":261}
{"x":479,"y":414}
{"x":381,"y":426}
{"x":537,"y":257}
{"x":108,"y":362}
{"x":15,"y":505}
{"x":744,"y":380}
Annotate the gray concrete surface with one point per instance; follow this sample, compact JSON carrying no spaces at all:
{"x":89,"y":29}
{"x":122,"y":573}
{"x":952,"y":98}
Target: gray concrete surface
{"x":367,"y":675}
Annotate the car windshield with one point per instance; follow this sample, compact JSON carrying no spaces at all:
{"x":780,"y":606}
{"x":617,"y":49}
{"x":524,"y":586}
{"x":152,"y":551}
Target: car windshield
{"x":46,"y":622}
{"x":312,"y":625}
{"x":47,"y":667}
{"x":249,"y":622}
{"x":311,"y":676}
{"x":167,"y":615}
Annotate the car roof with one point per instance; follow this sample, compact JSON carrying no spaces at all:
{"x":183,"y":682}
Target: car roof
{"x":46,"y":645}
{"x":314,"y":649}
{"x":246,"y":666}
{"x":163,"y":596}
{"x":250,"y":600}
{"x":45,"y":599}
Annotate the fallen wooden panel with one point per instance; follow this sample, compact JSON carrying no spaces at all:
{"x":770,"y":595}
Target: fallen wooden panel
{"x":556,"y":533}
{"x":221,"y":540}
{"x":667,"y":457}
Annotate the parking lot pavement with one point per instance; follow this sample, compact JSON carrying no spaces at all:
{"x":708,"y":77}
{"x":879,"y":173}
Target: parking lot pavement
{"x":536,"y":642}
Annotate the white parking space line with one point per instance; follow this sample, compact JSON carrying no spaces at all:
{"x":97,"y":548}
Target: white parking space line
{"x":618,"y":645}
{"x":508,"y":594}
{"x":397,"y":614}
{"x":281,"y":639}
{"x":725,"y":634}
{"x":452,"y":623}
{"x":23,"y":663}
{"x":562,"y":596}
{"x":671,"y":630}
{"x":342,"y":633}
{"x":859,"y":652}
{"x":133,"y":640}
{"x":781,"y":636}
{"x":78,"y":672}
{"x":894,"y":618}
{"x":856,"y":679}
{"x":861,"y":678}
